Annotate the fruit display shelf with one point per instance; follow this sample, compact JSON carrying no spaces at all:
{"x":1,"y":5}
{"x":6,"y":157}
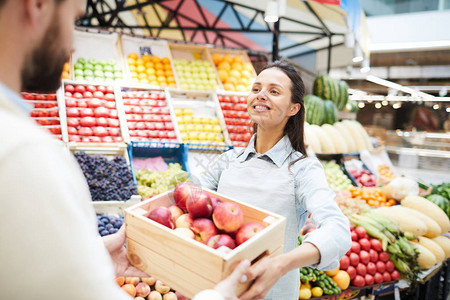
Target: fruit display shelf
{"x":45,"y":111}
{"x":148,"y":62}
{"x":237,"y":120}
{"x":148,"y":116}
{"x":187,"y":265}
{"x":97,"y":57}
{"x":90,"y":114}
{"x":199,"y":118}
{"x":357,"y":170}
{"x":170,"y":152}
{"x":194,"y":68}
{"x":338,"y":158}
{"x":234,"y":69}
{"x":111,"y":205}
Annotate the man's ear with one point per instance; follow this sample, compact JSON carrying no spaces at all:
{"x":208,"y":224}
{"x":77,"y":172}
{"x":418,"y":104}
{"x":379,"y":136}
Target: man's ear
{"x":294,"y":109}
{"x":35,"y":11}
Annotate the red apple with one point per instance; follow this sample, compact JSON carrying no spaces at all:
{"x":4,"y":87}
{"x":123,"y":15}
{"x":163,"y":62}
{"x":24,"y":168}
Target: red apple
{"x":101,"y":112}
{"x":199,"y":205}
{"x":203,"y":229}
{"x":220,"y":240}
{"x":214,"y":200}
{"x":69,"y":88}
{"x":247,"y":231}
{"x":94,"y":102}
{"x":186,"y":232}
{"x":184,"y":221}
{"x":228,"y":216}
{"x":182,"y":192}
{"x":163,"y":216}
{"x":175,"y":211}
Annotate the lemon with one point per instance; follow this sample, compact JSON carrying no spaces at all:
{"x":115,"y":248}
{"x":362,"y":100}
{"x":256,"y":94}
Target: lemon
{"x":317,"y":291}
{"x":305,"y":293}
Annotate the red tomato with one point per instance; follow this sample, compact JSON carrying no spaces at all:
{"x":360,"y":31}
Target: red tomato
{"x":378,"y":278}
{"x":107,"y":139}
{"x":390,"y":267}
{"x":113,"y":114}
{"x":110,"y":97}
{"x":118,"y":139}
{"x":56,"y":130}
{"x":98,"y":94}
{"x":51,"y":97}
{"x":101,"y":112}
{"x":386,"y":277}
{"x":82,"y":104}
{"x":101,"y":88}
{"x":360,"y":231}
{"x":383,"y":256}
{"x":354,"y":259}
{"x":395,"y":275}
{"x":356,"y":247}
{"x":168,"y":126}
{"x":364,"y":256}
{"x":365,"y":244}
{"x":351,"y":272}
{"x":358,"y":281}
{"x":87,"y":94}
{"x":54,"y":113}
{"x":74,"y":138}
{"x":78,"y":95}
{"x":110,"y":89}
{"x":381,"y":267}
{"x":110,"y":105}
{"x":371,"y":268}
{"x":344,"y":262}
{"x":369,"y":279}
{"x":100,"y":131}
{"x":373,"y":255}
{"x":101,"y":122}
{"x":171,"y":135}
{"x":361,"y":269}
{"x":376,"y":245}
{"x":91,"y":88}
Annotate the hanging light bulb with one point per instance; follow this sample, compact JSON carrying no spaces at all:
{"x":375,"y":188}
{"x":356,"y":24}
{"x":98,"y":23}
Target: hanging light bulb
{"x":436,"y":106}
{"x":396,"y":106}
{"x":384,"y":103}
{"x":271,"y":14}
{"x":361,"y":105}
{"x":378,"y":105}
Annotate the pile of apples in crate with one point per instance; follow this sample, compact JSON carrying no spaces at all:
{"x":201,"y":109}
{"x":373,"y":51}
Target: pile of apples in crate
{"x":148,"y":117}
{"x":366,"y":262}
{"x":92,"y":114}
{"x":236,"y":117}
{"x":45,"y":111}
{"x":147,"y":288}
{"x":205,"y":218}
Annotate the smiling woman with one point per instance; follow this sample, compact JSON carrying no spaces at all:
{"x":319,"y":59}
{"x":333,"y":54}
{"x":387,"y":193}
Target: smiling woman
{"x":275,"y":174}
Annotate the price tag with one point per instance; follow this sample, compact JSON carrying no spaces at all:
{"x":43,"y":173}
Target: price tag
{"x":145,"y":51}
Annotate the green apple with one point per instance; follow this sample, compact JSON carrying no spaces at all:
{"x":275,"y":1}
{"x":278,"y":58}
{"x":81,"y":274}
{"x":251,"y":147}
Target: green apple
{"x":117,"y":68}
{"x":111,"y":62}
{"x":79,"y":78}
{"x":88,"y":72}
{"x":108,"y":74}
{"x":118,"y":74}
{"x":81,"y":60}
{"x":89,"y":66}
{"x":201,"y":87}
{"x":202,"y":75}
{"x":109,"y":79}
{"x":102,"y":62}
{"x":78,"y":66}
{"x":78,"y":72}
{"x":93,"y":61}
{"x":190,"y":80}
{"x":192,"y":86}
{"x":194,"y":70}
{"x":107,"y":68}
{"x":89,"y":78}
{"x":98,"y":73}
{"x":197,"y":80}
{"x":184,"y":86}
{"x":99,"y":79}
{"x":98,"y":67}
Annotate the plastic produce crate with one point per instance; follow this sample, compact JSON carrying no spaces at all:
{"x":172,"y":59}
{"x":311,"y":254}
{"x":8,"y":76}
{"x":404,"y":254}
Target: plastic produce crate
{"x":148,"y":116}
{"x":187,"y":265}
{"x":45,"y":111}
{"x":199,"y":118}
{"x":170,"y":152}
{"x":353,"y":165}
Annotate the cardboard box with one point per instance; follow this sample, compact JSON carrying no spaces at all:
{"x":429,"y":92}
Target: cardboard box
{"x":189,"y":266}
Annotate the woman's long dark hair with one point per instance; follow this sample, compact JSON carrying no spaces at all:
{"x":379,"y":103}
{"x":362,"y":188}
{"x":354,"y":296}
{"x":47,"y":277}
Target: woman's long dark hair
{"x":294,"y":128}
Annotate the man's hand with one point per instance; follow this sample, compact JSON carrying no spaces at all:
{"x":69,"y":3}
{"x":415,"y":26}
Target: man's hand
{"x":227,"y":287}
{"x":114,"y":243}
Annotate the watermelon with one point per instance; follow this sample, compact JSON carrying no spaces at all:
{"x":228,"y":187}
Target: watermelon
{"x":314,"y":109}
{"x":330,"y":113}
{"x":440,"y":201}
{"x":325,"y":87}
{"x":342,"y":96}
{"x":353,"y":106}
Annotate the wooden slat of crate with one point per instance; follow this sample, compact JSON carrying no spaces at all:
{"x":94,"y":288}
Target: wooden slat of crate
{"x":187,"y":265}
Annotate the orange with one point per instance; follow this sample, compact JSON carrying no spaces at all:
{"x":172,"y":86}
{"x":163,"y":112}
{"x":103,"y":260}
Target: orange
{"x":139,"y":61}
{"x":228,"y":87}
{"x":165,"y":60}
{"x":228,"y":58}
{"x":235,"y":73}
{"x":342,"y":279}
{"x":129,"y":289}
{"x":146,"y":58}
{"x":142,"y":75}
{"x":66,"y":68}
{"x":131,"y":61}
{"x":65,"y":75}
{"x":151,"y":77}
{"x":223,"y":75}
{"x":133,"y":55}
{"x":217,"y":58}
{"x":133,"y":74}
{"x":173,"y":85}
{"x":159,"y":73}
{"x":248,"y":66}
{"x":237,"y":66}
{"x":246,"y":74}
{"x":149,"y":64}
{"x":144,"y":80}
{"x":238,"y":59}
{"x":232,"y":80}
{"x":163,"y":84}
{"x":161,"y":79}
{"x":170,"y":79}
{"x":154,"y":82}
{"x":168,"y":67}
{"x":156,"y":59}
{"x":135,"y":79}
{"x":168,"y":73}
{"x":333,"y":272}
{"x":159,"y":66}
{"x":241,"y":88}
{"x":132,"y":68}
{"x":120,"y":280}
{"x":224,"y":66}
{"x":140,"y":69}
{"x":150,"y":71}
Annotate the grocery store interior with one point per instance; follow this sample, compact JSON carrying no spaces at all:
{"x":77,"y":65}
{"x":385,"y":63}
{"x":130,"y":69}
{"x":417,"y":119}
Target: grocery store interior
{"x":163,"y":85}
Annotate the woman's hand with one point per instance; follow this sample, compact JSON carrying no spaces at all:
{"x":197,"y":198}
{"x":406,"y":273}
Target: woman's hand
{"x":114,"y":243}
{"x":265,"y":274}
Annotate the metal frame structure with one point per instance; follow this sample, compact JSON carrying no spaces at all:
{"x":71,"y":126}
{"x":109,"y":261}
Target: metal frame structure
{"x":100,"y":14}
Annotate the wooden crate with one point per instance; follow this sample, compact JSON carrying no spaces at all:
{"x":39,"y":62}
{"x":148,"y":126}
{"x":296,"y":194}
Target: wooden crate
{"x":189,"y":266}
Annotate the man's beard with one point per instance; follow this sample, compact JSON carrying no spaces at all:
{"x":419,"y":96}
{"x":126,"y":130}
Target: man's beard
{"x":43,"y":67}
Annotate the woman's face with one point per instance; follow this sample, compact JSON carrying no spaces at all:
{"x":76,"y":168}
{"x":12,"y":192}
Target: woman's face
{"x":269,"y":103}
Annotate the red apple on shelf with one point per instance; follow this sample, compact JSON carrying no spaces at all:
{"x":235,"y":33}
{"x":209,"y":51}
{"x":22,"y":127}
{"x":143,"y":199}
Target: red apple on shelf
{"x":80,"y":88}
{"x":101,"y":112}
{"x":72,"y":130}
{"x":82,"y":104}
{"x":113,"y":114}
{"x":86,"y":122}
{"x":69,"y":88}
{"x":184,"y":221}
{"x":109,"y":97}
{"x":71,"y":103}
{"x":87,"y":94}
{"x":186,"y":232}
{"x":182,"y":192}
{"x":86,"y":112}
{"x":102,"y":122}
{"x":98,"y":94}
{"x":85,"y":131}
{"x":228,"y":216}
{"x":114,"y":132}
{"x":175,"y":211}
{"x":73,"y":122}
{"x":77,"y":95}
{"x":220,"y":240}
{"x":94,"y":102}
{"x":163,"y":216}
{"x":73,"y":112}
{"x":203,"y":229}
{"x":113,"y":123}
{"x":91,"y":88}
{"x":118,"y":139}
{"x":100,"y":131}
{"x":198,"y":204}
{"x":95,"y":139}
{"x":247,"y":231}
